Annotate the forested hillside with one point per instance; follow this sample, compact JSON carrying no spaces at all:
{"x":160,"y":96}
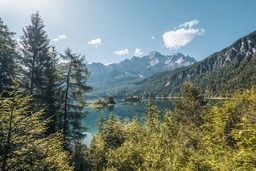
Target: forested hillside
{"x":222,"y":72}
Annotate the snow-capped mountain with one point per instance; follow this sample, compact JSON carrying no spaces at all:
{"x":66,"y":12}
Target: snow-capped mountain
{"x":134,"y":69}
{"x":155,"y":62}
{"x":138,"y":67}
{"x":229,"y":70}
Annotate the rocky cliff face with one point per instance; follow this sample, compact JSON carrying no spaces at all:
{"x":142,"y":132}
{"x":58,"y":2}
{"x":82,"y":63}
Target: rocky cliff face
{"x":210,"y":73}
{"x":242,"y":49}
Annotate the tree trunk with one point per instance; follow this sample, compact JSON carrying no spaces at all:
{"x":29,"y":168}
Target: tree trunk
{"x":32,"y":74}
{"x":65,"y":126}
{"x":8,"y":143}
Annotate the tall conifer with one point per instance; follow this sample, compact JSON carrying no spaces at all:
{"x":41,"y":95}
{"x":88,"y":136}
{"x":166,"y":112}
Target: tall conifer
{"x":7,"y":57}
{"x":38,"y":60}
{"x":74,"y":75}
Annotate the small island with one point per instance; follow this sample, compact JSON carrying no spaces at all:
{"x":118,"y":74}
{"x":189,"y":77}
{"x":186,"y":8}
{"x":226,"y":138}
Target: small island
{"x":101,"y":102}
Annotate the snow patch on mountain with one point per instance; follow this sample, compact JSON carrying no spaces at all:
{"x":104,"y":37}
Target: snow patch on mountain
{"x":136,"y":68}
{"x":253,"y":50}
{"x":154,"y":62}
{"x":169,"y":61}
{"x":167,"y":84}
{"x":179,"y":61}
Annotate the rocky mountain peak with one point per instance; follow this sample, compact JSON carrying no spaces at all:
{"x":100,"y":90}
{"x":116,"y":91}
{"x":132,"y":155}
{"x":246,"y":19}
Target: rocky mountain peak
{"x":226,"y":70}
{"x":130,"y":70}
{"x":154,"y":54}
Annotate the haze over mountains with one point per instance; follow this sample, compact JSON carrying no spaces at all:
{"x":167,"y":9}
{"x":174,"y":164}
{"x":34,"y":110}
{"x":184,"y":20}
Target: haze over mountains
{"x":105,"y":77}
{"x":159,"y":75}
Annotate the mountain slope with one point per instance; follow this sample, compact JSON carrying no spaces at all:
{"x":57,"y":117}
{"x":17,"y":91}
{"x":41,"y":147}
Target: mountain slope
{"x":109,"y":78}
{"x":230,"y":69}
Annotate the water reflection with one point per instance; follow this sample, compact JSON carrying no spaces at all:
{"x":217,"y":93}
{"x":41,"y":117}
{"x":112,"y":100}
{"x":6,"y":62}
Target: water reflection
{"x":109,"y":108}
{"x":123,"y":110}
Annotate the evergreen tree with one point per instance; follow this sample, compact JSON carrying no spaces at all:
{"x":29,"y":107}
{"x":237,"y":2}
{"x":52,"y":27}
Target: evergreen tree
{"x":7,"y":57}
{"x":50,"y":92}
{"x":22,"y":145}
{"x":189,"y":108}
{"x":78,"y":158}
{"x":74,"y":76}
{"x":189,"y":113}
{"x":38,"y":60}
{"x":230,"y":133}
{"x":244,"y":132}
{"x":152,"y":117}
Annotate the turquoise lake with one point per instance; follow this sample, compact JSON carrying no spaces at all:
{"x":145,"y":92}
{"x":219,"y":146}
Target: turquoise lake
{"x":123,"y":110}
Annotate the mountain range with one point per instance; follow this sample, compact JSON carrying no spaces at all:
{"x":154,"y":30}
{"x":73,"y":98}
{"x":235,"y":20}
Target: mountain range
{"x":223,"y":72}
{"x":105,"y":78}
{"x":233,"y":68}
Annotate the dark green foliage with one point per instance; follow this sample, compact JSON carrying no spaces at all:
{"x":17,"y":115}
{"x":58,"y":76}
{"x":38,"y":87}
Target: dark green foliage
{"x":77,"y":158}
{"x":35,"y":51}
{"x":7,"y":57}
{"x":73,"y":88}
{"x":39,"y":75}
{"x":189,"y":108}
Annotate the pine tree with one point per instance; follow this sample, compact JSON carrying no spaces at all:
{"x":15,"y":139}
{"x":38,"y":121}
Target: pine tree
{"x":152,"y":117}
{"x":7,"y":57}
{"x":50,"y":92}
{"x":230,"y":133}
{"x":244,"y":131}
{"x":38,"y":60}
{"x":22,"y":144}
{"x":189,"y":109}
{"x":189,"y":114}
{"x":74,"y":75}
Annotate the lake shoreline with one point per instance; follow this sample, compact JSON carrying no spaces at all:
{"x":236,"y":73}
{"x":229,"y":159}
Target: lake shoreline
{"x":208,"y":98}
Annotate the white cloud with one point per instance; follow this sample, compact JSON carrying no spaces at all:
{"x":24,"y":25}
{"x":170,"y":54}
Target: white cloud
{"x":95,"y":42}
{"x":153,"y":37}
{"x":59,"y":37}
{"x":189,"y":24}
{"x":138,"y":52}
{"x":178,"y":38}
{"x":121,"y":52}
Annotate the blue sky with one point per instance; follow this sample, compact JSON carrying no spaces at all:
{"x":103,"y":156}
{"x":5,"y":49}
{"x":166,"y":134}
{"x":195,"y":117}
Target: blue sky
{"x":109,"y":31}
